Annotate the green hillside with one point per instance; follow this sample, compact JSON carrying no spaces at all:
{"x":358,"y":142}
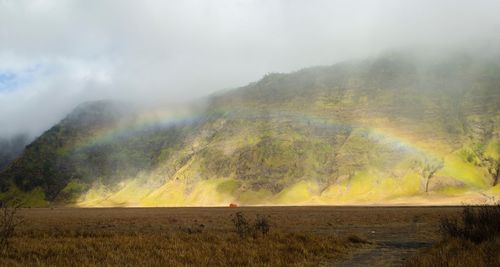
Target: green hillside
{"x":394,"y":129}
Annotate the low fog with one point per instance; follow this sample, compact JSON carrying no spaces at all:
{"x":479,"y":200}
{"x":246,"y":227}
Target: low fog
{"x":57,"y":54}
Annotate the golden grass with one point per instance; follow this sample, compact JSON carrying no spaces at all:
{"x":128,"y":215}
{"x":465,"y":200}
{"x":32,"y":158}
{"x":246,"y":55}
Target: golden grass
{"x":173,"y":249}
{"x":299,"y":236}
{"x":166,"y":237}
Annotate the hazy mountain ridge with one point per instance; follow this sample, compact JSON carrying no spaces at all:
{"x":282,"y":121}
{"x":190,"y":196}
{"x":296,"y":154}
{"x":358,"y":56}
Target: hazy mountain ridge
{"x":377,"y":130}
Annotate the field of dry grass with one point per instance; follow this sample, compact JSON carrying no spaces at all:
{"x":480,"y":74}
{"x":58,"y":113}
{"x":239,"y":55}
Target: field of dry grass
{"x":457,"y":252}
{"x":300,"y":236}
{"x":470,"y":239}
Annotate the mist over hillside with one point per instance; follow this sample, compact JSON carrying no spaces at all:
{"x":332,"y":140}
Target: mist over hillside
{"x":10,"y":148}
{"x":398,"y":128}
{"x":55,"y":55}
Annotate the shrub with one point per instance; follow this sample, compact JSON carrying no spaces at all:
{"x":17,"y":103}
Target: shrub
{"x":476,"y":224}
{"x":245,"y":228}
{"x":194,"y":229}
{"x":261,"y":224}
{"x":241,"y":225}
{"x":9,"y":220}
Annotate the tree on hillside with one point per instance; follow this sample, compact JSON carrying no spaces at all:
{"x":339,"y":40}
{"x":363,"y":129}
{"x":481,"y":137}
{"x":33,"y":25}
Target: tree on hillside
{"x":429,"y":168}
{"x":493,"y":166}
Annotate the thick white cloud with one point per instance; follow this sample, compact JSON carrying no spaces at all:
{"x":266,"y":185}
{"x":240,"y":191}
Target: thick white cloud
{"x":65,"y":52}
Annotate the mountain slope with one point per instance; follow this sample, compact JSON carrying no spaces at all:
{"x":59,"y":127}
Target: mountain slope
{"x":391,"y":129}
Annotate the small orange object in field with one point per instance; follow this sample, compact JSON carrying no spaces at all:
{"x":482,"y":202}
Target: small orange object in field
{"x":233,"y":205}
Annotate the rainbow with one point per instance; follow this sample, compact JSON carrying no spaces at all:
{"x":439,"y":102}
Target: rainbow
{"x":161,"y":118}
{"x":165,"y":117}
{"x":386,"y":134}
{"x":172,"y":192}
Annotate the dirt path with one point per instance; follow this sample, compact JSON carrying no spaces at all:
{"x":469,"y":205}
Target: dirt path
{"x":391,"y":246}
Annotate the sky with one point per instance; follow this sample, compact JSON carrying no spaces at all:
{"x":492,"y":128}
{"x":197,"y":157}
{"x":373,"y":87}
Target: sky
{"x":57,"y":54}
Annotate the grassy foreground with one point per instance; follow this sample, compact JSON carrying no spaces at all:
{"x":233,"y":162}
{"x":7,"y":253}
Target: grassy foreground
{"x":173,"y":249}
{"x":168,"y":237}
{"x":298,"y":236}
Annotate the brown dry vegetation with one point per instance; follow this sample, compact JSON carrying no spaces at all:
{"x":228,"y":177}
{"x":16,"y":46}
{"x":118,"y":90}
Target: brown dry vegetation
{"x":301,"y":236}
{"x":458,"y":252}
{"x":173,"y":249}
{"x":471,"y":239}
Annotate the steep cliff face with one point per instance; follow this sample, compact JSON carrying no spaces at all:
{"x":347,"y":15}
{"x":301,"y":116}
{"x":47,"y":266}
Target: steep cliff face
{"x":390,"y":129}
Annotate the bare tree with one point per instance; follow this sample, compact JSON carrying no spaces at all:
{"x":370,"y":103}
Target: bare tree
{"x":429,"y":168}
